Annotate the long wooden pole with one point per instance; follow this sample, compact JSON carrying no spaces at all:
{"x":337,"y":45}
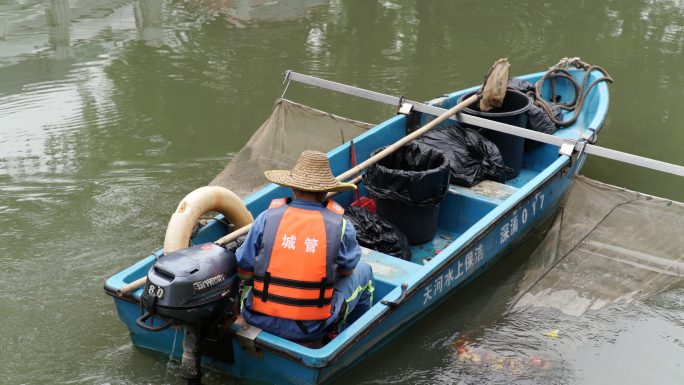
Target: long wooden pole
{"x":364,"y":165}
{"x":123,"y":290}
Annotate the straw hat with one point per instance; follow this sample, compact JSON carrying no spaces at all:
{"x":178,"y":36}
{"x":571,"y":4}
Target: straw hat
{"x":311,"y":173}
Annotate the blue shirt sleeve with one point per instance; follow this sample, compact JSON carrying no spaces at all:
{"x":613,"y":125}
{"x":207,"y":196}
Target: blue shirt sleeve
{"x":350,"y":251}
{"x":248,"y":251}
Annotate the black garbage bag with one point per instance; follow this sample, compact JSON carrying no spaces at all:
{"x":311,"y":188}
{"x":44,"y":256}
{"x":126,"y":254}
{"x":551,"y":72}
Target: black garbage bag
{"x":414,"y":174}
{"x":537,"y":119}
{"x":236,"y":244}
{"x":521,"y":85}
{"x":472,"y":157}
{"x":378,"y":234}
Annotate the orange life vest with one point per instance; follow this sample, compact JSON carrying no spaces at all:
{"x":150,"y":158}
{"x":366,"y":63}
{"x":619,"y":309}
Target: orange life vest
{"x":296,"y":267}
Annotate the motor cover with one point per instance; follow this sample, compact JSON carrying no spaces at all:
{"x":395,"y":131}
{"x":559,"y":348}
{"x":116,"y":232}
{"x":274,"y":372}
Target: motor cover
{"x":192,"y":284}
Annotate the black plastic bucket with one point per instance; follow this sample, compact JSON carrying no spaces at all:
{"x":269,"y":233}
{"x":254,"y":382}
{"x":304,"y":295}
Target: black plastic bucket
{"x":513,"y":111}
{"x":419,"y":224}
{"x":409,"y":185}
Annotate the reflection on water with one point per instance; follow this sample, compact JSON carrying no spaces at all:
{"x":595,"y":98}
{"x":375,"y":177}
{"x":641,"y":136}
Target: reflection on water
{"x":112,"y":110}
{"x":243,"y":13}
{"x":59,"y":20}
{"x":149,"y":17}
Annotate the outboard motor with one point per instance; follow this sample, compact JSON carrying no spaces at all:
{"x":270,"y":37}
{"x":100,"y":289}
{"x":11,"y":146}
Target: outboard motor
{"x":196,"y":288}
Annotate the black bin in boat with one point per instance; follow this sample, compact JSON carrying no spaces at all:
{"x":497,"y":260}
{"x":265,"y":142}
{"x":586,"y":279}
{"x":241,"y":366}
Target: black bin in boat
{"x":409,"y":185}
{"x":513,"y":111}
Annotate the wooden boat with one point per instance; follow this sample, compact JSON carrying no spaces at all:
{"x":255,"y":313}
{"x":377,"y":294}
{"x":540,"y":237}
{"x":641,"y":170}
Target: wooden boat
{"x":476,"y":227}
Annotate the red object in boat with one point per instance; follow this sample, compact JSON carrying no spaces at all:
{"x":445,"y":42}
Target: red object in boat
{"x":366,"y":203}
{"x":353,"y":159}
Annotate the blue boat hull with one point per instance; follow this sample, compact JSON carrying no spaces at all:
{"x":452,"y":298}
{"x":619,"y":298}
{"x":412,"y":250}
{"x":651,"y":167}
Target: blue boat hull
{"x":479,"y":225}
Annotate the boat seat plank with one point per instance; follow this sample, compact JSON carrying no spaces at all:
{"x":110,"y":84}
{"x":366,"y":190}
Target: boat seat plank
{"x":486,"y":190}
{"x":388,"y":271}
{"x":464,"y":206}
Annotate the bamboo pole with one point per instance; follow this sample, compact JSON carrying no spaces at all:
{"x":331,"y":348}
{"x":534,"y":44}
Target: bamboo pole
{"x":123,"y":290}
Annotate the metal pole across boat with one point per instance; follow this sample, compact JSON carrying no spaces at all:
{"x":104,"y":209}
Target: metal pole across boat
{"x":492,"y":125}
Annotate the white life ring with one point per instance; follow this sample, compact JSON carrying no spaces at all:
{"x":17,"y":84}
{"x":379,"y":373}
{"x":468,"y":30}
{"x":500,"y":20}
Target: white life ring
{"x":198,"y":203}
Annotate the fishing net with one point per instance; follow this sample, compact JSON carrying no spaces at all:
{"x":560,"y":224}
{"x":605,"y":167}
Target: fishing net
{"x":291,"y":129}
{"x":606,"y":245}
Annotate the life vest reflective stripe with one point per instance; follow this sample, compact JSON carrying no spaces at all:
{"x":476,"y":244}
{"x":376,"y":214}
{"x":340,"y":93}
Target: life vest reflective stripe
{"x":293,"y":301}
{"x":296,"y":268}
{"x":295,"y":284}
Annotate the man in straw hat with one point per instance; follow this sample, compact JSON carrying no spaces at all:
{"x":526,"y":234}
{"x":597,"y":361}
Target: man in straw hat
{"x":304,"y":258}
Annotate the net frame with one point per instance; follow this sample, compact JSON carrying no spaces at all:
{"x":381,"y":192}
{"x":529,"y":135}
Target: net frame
{"x":291,"y":129}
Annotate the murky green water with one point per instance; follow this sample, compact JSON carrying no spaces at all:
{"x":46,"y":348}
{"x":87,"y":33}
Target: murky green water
{"x":111,"y":111}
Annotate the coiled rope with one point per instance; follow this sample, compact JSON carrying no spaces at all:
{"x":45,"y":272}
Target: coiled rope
{"x":560,"y":71}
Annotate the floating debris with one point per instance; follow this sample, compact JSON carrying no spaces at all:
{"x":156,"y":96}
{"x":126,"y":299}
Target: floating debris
{"x":447,"y":238}
{"x":517,"y":366}
{"x":553,"y":334}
